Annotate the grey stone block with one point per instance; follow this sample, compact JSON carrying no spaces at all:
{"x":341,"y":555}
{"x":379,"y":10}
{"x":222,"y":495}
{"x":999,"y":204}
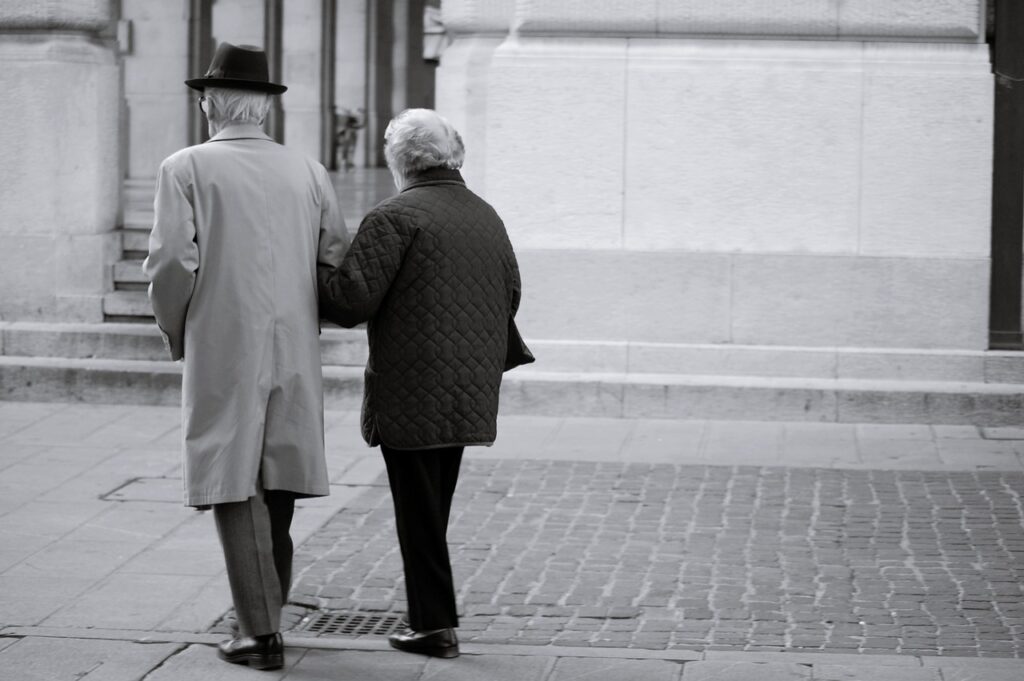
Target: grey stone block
{"x":610,"y":669}
{"x":859,"y":672}
{"x":498,"y":667}
{"x":745,"y":671}
{"x":68,"y":658}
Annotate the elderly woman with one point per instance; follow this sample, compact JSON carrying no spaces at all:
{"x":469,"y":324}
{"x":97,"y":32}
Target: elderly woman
{"x":432,"y":271}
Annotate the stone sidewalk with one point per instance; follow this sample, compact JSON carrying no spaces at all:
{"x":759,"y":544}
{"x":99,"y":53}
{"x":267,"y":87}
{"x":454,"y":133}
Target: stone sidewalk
{"x":630,"y":549}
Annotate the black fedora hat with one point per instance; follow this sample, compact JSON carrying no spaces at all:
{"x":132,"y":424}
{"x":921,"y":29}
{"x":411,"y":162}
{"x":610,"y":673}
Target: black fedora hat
{"x":243,"y":67}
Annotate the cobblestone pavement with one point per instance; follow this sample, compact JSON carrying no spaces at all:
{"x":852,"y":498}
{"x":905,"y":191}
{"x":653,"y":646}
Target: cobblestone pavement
{"x":667,"y":557}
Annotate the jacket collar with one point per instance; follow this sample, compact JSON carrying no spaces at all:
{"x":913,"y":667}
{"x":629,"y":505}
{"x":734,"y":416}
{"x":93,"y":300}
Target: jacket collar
{"x":432,"y":176}
{"x":240,"y":131}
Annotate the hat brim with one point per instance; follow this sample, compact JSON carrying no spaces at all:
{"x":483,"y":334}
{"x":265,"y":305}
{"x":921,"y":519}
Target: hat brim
{"x":237,"y":84}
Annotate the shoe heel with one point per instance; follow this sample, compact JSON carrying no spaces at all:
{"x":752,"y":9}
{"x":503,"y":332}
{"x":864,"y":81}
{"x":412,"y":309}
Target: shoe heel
{"x":266,"y":662}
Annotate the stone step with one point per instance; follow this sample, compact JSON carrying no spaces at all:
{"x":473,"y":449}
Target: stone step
{"x":119,"y":304}
{"x":570,"y":378}
{"x":129,"y":272}
{"x":138,"y":220}
{"x":128,"y":341}
{"x":608,"y":357}
{"x":654,"y":396}
{"x":135,"y":240}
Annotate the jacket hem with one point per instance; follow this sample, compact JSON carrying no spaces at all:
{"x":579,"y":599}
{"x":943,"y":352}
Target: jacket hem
{"x":469,"y":443}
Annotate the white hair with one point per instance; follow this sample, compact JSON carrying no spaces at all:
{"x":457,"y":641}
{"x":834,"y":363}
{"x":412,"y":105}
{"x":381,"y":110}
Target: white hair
{"x":229,"y":105}
{"x":418,"y":139}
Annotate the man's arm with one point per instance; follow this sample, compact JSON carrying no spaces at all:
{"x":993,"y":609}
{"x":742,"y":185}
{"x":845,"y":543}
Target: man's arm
{"x":173,"y":257}
{"x":351,"y":293}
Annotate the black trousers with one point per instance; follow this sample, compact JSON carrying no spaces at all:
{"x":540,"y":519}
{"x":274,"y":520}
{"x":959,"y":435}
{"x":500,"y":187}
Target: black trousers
{"x":258,"y":554}
{"x":422,"y":485}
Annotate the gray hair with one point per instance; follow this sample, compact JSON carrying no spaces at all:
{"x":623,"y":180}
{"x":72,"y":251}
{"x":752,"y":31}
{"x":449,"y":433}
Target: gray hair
{"x":418,"y":139}
{"x":229,"y":105}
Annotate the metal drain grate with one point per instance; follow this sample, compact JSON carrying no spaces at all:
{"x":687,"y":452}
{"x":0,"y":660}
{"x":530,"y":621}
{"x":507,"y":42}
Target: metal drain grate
{"x":351,"y":624}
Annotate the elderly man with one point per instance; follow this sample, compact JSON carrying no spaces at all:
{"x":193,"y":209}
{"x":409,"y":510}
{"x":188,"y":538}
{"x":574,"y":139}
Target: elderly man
{"x":241,"y":225}
{"x":433,"y":272}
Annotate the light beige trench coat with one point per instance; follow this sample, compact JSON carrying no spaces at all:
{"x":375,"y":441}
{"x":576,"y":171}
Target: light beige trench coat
{"x":241,"y":223}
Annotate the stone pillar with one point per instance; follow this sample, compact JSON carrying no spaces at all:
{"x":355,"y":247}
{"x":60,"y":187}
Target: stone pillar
{"x":379,"y":36}
{"x":156,"y":97}
{"x":60,"y":172}
{"x":350,"y":64}
{"x":239,"y":22}
{"x":477,"y":28}
{"x":301,"y":68}
{"x":737,"y":172}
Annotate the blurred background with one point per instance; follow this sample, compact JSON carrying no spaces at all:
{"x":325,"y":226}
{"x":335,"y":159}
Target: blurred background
{"x":781,"y":194}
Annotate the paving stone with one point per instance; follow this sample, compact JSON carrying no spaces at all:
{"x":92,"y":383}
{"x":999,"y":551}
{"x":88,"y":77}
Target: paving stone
{"x":361,"y":665}
{"x":606,"y":669}
{"x":127,"y":601}
{"x":82,"y":559}
{"x":744,"y":671}
{"x":739,"y":557}
{"x":1003,"y":433}
{"x":860,"y":672}
{"x":498,"y":667}
{"x":69,"y":426}
{"x":201,"y":662}
{"x":47,"y":659}
{"x":16,"y":416}
{"x":136,"y":426}
{"x":203,"y":610}
{"x":972,"y":674}
{"x":30,"y":599}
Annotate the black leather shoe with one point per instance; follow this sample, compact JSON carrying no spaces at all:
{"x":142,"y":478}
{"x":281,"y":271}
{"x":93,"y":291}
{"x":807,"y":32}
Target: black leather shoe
{"x":259,"y":652}
{"x":436,"y":643}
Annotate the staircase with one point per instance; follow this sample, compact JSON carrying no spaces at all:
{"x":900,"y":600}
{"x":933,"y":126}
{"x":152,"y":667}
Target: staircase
{"x":128,"y":301}
{"x":123,"y":361}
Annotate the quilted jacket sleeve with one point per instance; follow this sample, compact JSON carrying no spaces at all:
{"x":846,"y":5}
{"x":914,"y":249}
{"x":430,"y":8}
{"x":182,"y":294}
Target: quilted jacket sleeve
{"x":351,"y":293}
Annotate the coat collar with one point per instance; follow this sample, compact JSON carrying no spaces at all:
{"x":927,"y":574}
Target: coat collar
{"x":432,"y":176}
{"x":240,"y":131}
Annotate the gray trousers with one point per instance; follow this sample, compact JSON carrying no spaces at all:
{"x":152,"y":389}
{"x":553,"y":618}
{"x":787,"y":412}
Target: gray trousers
{"x":258,"y":556}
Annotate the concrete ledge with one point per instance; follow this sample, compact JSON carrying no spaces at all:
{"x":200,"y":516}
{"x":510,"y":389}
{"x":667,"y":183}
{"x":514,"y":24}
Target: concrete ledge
{"x":607,"y":395}
{"x":347,"y":347}
{"x":95,"y":381}
{"x":761,"y":398}
{"x":130,"y":341}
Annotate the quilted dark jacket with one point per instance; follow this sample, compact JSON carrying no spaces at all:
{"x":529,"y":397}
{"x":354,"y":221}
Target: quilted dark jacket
{"x":433,"y":273}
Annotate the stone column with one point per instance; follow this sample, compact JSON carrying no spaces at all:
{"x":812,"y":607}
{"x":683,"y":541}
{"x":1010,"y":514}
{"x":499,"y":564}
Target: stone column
{"x":738,"y":172}
{"x":301,"y":69}
{"x":239,"y":22}
{"x":463,"y":79}
{"x":60,"y":171}
{"x":350,"y":65}
{"x":156,"y":97}
{"x":379,"y":37}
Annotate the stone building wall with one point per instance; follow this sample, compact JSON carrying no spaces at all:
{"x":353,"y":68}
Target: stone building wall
{"x":804,"y":173}
{"x":60,"y":163}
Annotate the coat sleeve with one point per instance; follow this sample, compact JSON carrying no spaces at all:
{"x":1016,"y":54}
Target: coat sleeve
{"x":173,"y":256}
{"x":351,"y":293}
{"x":334,"y":240}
